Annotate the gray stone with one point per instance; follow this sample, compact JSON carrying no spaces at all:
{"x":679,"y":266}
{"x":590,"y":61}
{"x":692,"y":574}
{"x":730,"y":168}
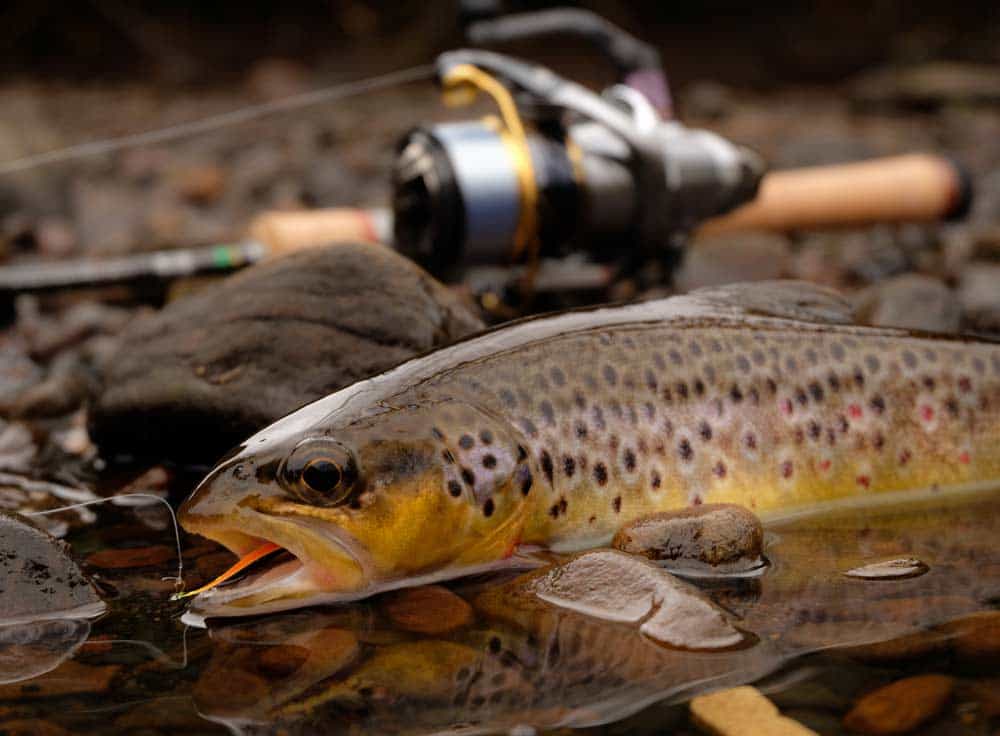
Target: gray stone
{"x":725,"y":259}
{"x":208,"y":370}
{"x":912,"y":301}
{"x":979,"y":292}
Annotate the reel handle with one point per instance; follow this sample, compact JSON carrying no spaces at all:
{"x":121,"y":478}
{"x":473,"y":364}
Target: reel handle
{"x":916,"y":187}
{"x":284,"y":232}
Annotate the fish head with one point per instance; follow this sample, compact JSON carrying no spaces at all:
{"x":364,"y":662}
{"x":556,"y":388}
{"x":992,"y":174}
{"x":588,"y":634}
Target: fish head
{"x":427,"y":490}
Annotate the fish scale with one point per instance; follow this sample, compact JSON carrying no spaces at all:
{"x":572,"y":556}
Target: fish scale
{"x":554,"y":432}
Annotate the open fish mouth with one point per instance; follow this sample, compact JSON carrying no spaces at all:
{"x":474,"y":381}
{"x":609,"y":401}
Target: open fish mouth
{"x":310,"y":565}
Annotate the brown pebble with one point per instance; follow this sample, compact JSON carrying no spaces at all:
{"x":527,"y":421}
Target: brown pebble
{"x":976,"y":637}
{"x":120,"y":559}
{"x":723,"y":536}
{"x":69,"y":678}
{"x":431,"y":609}
{"x":743,"y":711}
{"x":900,"y":707}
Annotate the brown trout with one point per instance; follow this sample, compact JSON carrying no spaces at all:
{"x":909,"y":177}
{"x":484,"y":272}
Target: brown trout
{"x":553,"y":432}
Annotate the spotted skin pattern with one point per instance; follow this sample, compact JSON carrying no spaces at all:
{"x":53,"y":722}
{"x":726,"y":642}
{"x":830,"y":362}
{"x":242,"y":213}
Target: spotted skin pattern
{"x":647,"y":418}
{"x":555,"y":432}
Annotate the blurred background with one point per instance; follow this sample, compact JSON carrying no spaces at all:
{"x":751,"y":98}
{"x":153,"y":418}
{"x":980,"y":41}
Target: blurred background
{"x":803,"y":83}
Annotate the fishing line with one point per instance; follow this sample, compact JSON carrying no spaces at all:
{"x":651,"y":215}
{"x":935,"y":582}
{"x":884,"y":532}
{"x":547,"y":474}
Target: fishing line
{"x":179,"y":579}
{"x":221,"y":120}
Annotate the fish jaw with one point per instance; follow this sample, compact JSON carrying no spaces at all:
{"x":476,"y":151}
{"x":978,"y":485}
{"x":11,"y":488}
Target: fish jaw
{"x":326,"y":562}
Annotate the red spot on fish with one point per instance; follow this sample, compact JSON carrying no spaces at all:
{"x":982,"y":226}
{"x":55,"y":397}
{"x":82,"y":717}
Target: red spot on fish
{"x":964,"y":384}
{"x":786,"y":407}
{"x":964,"y":458}
{"x":927,"y":413}
{"x":904,"y":457}
{"x":855,"y":411}
{"x":697,"y":501}
{"x":786,"y":469}
{"x":864,"y":480}
{"x":824,"y":465}
{"x":510,"y":550}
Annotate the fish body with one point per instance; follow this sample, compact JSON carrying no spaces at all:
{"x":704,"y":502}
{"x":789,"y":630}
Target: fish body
{"x":554,"y":432}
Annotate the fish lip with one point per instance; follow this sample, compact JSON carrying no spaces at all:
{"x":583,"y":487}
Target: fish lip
{"x":253,"y":528}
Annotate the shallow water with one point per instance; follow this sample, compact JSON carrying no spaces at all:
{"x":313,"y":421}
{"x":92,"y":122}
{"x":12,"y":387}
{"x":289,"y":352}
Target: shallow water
{"x":505,"y":660}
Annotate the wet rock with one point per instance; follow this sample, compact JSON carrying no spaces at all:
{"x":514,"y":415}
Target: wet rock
{"x":724,"y":259}
{"x":17,"y":446}
{"x":975,"y":638}
{"x":31,"y":727}
{"x":67,"y":387}
{"x":614,"y":586}
{"x":911,"y":301}
{"x":899,"y":568}
{"x":211,"y":369}
{"x":740,"y":711}
{"x":32,"y":648}
{"x":900,"y":707}
{"x":431,"y":609}
{"x":713,"y":537}
{"x":979,"y":292}
{"x":707,"y":100}
{"x":38,"y":578}
{"x":122,"y":559}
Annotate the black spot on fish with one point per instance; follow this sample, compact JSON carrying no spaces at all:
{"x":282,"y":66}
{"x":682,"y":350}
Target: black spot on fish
{"x":616,"y":504}
{"x":786,"y":469}
{"x":597,"y":414}
{"x":667,"y":394}
{"x":699,"y":387}
{"x":695,"y":348}
{"x":668,"y":427}
{"x":486,"y":437}
{"x":910,"y":359}
{"x":651,"y":382}
{"x":522,"y":454}
{"x":650,"y":410}
{"x":455,"y":488}
{"x":579,"y":400}
{"x":655,"y":480}
{"x":629,"y":458}
{"x":719,"y":470}
{"x":930,"y":355}
{"x":705,"y":430}
{"x":735,"y":394}
{"x":495,"y":645}
{"x":859,"y":377}
{"x":772,"y":387}
{"x":659,"y":362}
{"x":743,"y":364}
{"x":816,"y":391}
{"x":684,"y":449}
{"x":758,"y":357}
{"x":447,"y":456}
{"x":438,"y":434}
{"x":815,"y":430}
{"x":548,"y":412}
{"x":554,"y":511}
{"x":529,"y":427}
{"x":951,"y":404}
{"x":837,"y":351}
{"x":877,"y":404}
{"x":488,"y":507}
{"x":524,"y":479}
{"x":546,"y":461}
{"x":878,"y":441}
{"x":558,"y":377}
{"x":800,"y":396}
{"x":834,"y":382}
{"x":675,"y":357}
{"x":469,"y":477}
{"x":750,"y":441}
{"x":929,"y":383}
{"x":873,"y":363}
{"x":569,"y":466}
{"x":466,"y":442}
{"x":610,"y":375}
{"x":600,"y":474}
{"x":508,"y":398}
{"x":489,"y":462}
{"x":754,"y":395}
{"x":682,"y":389}
{"x":842,"y":424}
{"x":563,"y":504}
{"x":581,"y":430}
{"x":613,"y":442}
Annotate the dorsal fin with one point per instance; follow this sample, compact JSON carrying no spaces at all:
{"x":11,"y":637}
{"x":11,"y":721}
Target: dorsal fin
{"x":786,"y":299}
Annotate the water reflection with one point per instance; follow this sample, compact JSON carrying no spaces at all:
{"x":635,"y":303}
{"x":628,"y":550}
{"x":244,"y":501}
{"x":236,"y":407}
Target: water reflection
{"x":28,"y":650}
{"x":498,"y":655}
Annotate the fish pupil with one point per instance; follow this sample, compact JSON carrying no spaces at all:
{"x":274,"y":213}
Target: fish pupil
{"x":321,"y":475}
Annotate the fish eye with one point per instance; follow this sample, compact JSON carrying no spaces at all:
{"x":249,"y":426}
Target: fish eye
{"x":319,"y":472}
{"x":322,"y":475}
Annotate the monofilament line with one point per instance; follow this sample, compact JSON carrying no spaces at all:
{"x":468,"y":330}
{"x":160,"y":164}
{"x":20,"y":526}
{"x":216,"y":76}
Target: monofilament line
{"x":222,"y":120}
{"x":179,"y":580}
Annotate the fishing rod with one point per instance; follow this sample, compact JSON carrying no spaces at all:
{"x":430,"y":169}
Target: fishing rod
{"x":559,"y":170}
